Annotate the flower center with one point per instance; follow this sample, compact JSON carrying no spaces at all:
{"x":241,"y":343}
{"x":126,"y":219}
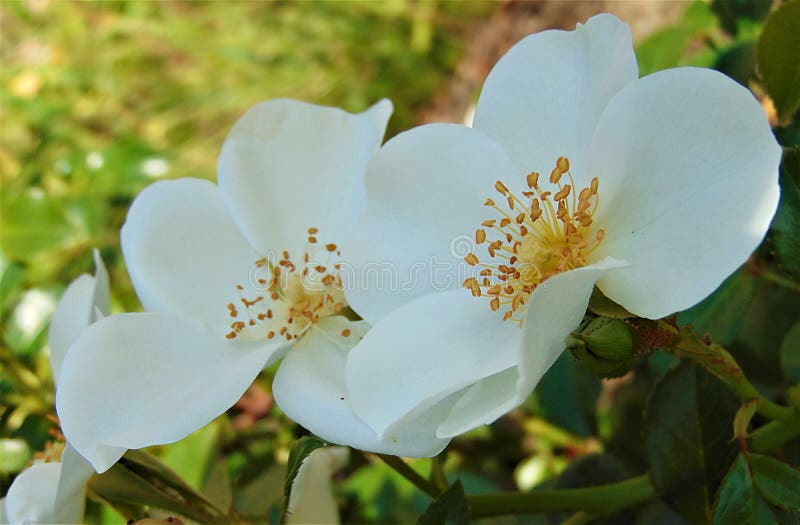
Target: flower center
{"x":295,"y":297}
{"x":542,"y":234}
{"x":52,"y":451}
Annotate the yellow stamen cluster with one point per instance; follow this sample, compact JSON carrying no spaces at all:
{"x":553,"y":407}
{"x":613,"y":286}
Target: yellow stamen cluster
{"x":295,"y":298}
{"x":541,"y":235}
{"x":52,"y":449}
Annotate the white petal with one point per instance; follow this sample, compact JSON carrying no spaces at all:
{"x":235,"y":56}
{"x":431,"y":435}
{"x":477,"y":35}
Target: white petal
{"x":75,"y":311}
{"x":688,"y":171}
{"x":135,"y":380}
{"x":311,"y":499}
{"x":30,"y":498}
{"x":183,"y":251}
{"x":423,"y":352}
{"x":70,"y":498}
{"x":482,"y":403}
{"x":553,"y":311}
{"x":287,"y":166}
{"x":543,"y":98}
{"x":425,"y":195}
{"x":310,"y":388}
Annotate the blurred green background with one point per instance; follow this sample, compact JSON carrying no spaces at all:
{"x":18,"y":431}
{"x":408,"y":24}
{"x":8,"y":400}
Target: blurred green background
{"x":100,"y":99}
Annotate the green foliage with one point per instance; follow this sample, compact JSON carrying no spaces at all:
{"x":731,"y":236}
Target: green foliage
{"x":758,"y":490}
{"x":720,"y":314}
{"x":450,"y":507}
{"x":687,"y":434}
{"x":667,"y":48}
{"x":732,"y":12}
{"x":790,"y":354}
{"x":738,"y":501}
{"x":778,"y":49}
{"x":567,"y":394}
{"x":786,"y":224}
{"x":777,"y":482}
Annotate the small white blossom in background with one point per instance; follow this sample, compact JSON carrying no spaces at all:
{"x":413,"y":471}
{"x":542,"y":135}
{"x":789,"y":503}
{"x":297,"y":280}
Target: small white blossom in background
{"x":53,"y":488}
{"x":311,"y":500}
{"x":575,"y":173}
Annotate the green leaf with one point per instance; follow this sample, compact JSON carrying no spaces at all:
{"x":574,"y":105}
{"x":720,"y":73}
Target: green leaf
{"x":778,"y":49}
{"x":567,"y":394}
{"x":738,"y":502}
{"x":450,"y":507}
{"x":790,"y":353}
{"x":786,"y":224}
{"x":190,"y":456}
{"x":298,"y":453}
{"x":218,"y":487}
{"x":262,"y":493}
{"x":720,"y":314}
{"x":730,"y":12}
{"x":624,"y":437}
{"x":738,"y":62}
{"x":688,"y":439}
{"x":119,"y":484}
{"x":666,"y":48}
{"x":777,"y":482}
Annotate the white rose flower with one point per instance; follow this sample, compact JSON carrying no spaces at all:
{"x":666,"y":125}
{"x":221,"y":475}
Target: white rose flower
{"x":654,"y":189}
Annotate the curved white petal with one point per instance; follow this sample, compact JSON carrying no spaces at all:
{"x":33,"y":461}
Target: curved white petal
{"x":311,"y":499}
{"x":310,"y":388}
{"x":70,"y":498}
{"x":287,"y":166}
{"x":482,"y":403}
{"x":183,"y":251}
{"x":135,"y":380}
{"x":544,"y":97}
{"x":423,"y":352}
{"x":425,"y":198}
{"x":554,"y":309}
{"x":688,"y":171}
{"x":30,"y":497}
{"x":75,"y":311}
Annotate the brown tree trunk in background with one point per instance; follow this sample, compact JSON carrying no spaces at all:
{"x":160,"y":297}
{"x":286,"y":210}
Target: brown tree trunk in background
{"x":489,"y":39}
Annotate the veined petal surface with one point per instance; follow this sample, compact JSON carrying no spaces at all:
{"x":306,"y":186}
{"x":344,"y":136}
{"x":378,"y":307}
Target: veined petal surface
{"x":688,"y":171}
{"x":310,"y":388}
{"x":543,"y":98}
{"x":135,"y":380}
{"x":287,"y":166}
{"x":183,"y":251}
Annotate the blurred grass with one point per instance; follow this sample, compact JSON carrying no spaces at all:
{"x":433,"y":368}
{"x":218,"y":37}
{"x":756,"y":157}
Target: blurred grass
{"x":99,"y":99}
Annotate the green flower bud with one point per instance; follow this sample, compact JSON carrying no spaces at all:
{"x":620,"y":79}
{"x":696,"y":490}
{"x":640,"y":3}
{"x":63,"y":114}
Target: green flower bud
{"x":608,"y":338}
{"x":604,"y":346}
